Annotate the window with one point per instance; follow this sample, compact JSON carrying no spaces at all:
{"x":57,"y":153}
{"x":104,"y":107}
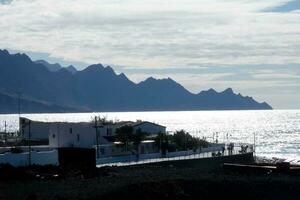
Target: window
{"x":53,"y":136}
{"x":71,"y":131}
{"x":78,"y":137}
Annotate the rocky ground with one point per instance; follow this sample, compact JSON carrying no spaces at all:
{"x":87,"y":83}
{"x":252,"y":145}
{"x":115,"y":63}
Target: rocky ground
{"x":155,"y":181}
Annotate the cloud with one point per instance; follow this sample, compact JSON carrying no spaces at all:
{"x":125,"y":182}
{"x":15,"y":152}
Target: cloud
{"x":146,"y":33}
{"x":252,"y":46}
{"x":277,"y":76}
{"x":4,"y":2}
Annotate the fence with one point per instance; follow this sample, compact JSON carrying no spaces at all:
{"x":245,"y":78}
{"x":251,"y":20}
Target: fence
{"x":51,"y":157}
{"x":216,"y":150}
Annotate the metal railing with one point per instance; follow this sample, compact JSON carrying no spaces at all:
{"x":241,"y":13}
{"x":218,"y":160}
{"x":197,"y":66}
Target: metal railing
{"x":172,"y":156}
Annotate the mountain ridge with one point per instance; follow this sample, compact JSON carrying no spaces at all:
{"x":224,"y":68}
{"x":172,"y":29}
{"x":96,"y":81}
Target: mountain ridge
{"x":99,"y":88}
{"x":56,"y":66}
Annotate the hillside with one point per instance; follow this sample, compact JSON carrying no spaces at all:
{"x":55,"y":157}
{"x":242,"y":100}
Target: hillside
{"x":10,"y":104}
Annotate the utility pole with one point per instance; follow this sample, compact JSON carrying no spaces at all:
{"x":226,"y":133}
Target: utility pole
{"x":160,"y":144}
{"x":5,"y":133}
{"x":19,"y":104}
{"x":29,"y":143}
{"x":19,"y":110}
{"x":185,"y":138}
{"x":254,"y":142}
{"x":96,"y":126}
{"x":27,"y":122}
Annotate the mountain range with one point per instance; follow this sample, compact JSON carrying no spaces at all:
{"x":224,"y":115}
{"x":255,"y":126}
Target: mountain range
{"x":46,"y":87}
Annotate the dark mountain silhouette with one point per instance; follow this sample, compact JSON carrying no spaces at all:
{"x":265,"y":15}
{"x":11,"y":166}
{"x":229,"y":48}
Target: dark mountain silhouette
{"x":71,"y":69}
{"x":227,"y":100}
{"x":51,"y":67}
{"x":56,"y":67}
{"x":99,"y":88}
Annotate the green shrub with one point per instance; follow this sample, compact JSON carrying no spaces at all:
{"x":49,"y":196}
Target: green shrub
{"x":16,"y":150}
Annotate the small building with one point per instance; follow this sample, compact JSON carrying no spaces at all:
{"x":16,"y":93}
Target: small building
{"x":65,"y":134}
{"x":148,"y":127}
{"x":79,"y":135}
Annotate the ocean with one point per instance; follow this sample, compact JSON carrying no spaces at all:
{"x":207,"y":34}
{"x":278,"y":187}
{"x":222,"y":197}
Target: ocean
{"x":276,"y":133}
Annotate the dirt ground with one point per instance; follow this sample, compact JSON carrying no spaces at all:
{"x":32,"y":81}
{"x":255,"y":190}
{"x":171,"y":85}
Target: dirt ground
{"x":154,"y":182}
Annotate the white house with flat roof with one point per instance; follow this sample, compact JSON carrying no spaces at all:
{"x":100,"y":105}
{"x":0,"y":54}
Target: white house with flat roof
{"x":81,"y":135}
{"x":64,"y":134}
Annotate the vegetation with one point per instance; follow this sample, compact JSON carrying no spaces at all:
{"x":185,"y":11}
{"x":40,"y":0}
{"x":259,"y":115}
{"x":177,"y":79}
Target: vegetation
{"x":99,"y":120}
{"x":180,"y":140}
{"x":16,"y":150}
{"x":162,"y":141}
{"x":130,"y":138}
{"x":137,"y":138}
{"x":124,"y":135}
{"x":9,"y":138}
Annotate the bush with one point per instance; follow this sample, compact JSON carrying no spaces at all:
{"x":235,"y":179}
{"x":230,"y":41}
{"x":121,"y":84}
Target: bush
{"x":183,"y":141}
{"x":180,"y":140}
{"x":16,"y":150}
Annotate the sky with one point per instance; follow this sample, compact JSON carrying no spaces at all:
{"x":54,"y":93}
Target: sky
{"x":252,"y":46}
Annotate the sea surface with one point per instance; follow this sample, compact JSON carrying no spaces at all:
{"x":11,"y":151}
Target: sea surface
{"x":276,"y":133}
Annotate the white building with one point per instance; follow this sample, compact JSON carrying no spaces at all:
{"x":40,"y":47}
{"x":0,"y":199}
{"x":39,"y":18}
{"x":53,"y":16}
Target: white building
{"x":81,"y":135}
{"x":64,"y":134}
{"x":148,"y":127}
{"x":84,"y":135}
{"x":38,"y":130}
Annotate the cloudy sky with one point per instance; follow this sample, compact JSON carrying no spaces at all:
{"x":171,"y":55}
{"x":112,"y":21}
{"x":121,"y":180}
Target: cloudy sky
{"x":252,"y":46}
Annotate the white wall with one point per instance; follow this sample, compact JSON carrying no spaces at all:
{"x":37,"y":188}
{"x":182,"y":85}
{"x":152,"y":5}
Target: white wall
{"x":37,"y":158}
{"x":72,"y":135}
{"x":26,"y":148}
{"x":38,"y":130}
{"x":177,"y":154}
{"x":83,"y":135}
